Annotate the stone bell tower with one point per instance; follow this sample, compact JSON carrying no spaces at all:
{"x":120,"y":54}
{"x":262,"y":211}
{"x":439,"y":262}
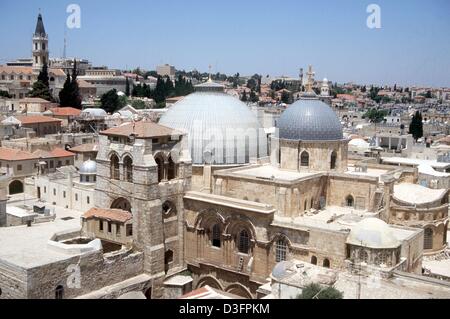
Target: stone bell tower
{"x":40,"y":46}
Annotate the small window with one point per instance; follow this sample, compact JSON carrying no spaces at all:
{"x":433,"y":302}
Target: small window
{"x":118,"y":230}
{"x":215,"y":240}
{"x":64,"y":194}
{"x":59,"y":163}
{"x":52,"y":164}
{"x":244,"y":242}
{"x":45,"y":189}
{"x":88,"y":200}
{"x":76,"y":197}
{"x":129,"y":230}
{"x":54,"y":191}
{"x":19,"y":167}
{"x":326,"y":263}
{"x":67,"y":162}
{"x":280,"y":250}
{"x":109,"y":227}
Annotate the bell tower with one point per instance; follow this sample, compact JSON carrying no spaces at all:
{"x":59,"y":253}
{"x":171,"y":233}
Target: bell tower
{"x":40,"y":46}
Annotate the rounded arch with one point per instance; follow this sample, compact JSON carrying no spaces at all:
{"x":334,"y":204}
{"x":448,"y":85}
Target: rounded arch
{"x":216,"y":235}
{"x":239,"y":290}
{"x":207,"y":217}
{"x":304,"y":159}
{"x":350,"y":201}
{"x":121,"y":203}
{"x":314,"y":260}
{"x":235,"y":223}
{"x":209,"y":281}
{"x":326,"y":263}
{"x":159,"y":159}
{"x":114,"y":166}
{"x":128,"y":168}
{"x":15,"y":187}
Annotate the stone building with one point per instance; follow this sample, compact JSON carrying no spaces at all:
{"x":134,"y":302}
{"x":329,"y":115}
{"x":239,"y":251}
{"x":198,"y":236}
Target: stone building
{"x":145,"y":168}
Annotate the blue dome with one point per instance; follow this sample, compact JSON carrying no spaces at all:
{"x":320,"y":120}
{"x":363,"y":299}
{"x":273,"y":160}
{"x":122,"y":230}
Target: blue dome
{"x":309,"y":119}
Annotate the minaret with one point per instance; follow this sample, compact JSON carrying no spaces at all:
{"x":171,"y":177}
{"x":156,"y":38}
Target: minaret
{"x":325,"y":89}
{"x":40,"y":46}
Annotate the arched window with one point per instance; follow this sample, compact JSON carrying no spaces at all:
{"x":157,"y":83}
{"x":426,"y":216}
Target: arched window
{"x":244,"y":242}
{"x":314,"y":260}
{"x":215,"y":237}
{"x":349,"y":201}
{"x":281,"y":250}
{"x":312,"y":203}
{"x":333,"y":160}
{"x":172,"y":170}
{"x":128,"y":169}
{"x":363,"y":256}
{"x":306,"y":205}
{"x":304,"y":159}
{"x":160,"y":162}
{"x":115,"y":174}
{"x":383,"y":258}
{"x":59,"y":292}
{"x":121,"y":203}
{"x":326,"y":263}
{"x":428,"y":239}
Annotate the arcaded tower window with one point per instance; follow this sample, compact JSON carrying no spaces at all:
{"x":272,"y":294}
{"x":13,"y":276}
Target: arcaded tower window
{"x":172,"y":170}
{"x":304,"y":159}
{"x":128,"y":169}
{"x":333,"y":160}
{"x":115,"y":174}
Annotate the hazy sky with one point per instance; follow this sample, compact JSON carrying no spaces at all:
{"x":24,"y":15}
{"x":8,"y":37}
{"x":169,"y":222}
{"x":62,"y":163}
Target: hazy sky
{"x":267,"y":37}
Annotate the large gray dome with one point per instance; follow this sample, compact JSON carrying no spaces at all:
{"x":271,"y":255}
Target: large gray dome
{"x":216,"y":124}
{"x":309,"y":119}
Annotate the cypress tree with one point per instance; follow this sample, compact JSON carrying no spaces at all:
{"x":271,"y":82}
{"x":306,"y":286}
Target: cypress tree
{"x":127,"y":88}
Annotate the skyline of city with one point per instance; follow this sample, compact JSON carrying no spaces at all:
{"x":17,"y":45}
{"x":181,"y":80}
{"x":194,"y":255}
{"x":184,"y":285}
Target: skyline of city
{"x":250,"y":38}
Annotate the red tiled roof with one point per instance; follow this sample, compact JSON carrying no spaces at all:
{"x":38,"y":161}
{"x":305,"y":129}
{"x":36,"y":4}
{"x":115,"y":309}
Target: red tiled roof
{"x":142,"y":129}
{"x":9,"y":154}
{"x":57,"y":152}
{"x":34,"y":119}
{"x":65,"y":111}
{"x":116,"y":215}
{"x":89,"y":147}
{"x":16,"y":69}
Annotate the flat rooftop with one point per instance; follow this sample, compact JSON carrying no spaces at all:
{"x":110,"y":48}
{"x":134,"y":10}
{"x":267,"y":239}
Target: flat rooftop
{"x":415,"y":162}
{"x":371,"y":172}
{"x":270,"y":172}
{"x":26,"y":247}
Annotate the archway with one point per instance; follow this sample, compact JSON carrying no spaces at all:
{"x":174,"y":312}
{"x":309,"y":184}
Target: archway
{"x":326,"y":263}
{"x":349,"y":201}
{"x":121,"y":203}
{"x":128,"y":169}
{"x":16,"y":187}
{"x":314,"y":260}
{"x":209,"y":281}
{"x":114,"y":168}
{"x":239,"y":290}
{"x":168,"y":259}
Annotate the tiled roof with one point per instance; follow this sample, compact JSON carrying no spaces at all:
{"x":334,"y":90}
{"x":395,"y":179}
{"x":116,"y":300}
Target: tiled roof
{"x":33,"y":100}
{"x":65,"y":111}
{"x":142,"y":129}
{"x":57,"y":152}
{"x":9,"y":154}
{"x":89,"y":147}
{"x":116,"y":215}
{"x":34,"y":119}
{"x":57,"y":72}
{"x":16,"y":69}
{"x":85,"y":84}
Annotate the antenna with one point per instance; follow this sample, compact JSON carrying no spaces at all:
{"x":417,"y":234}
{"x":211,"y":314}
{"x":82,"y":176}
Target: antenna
{"x":65,"y":44}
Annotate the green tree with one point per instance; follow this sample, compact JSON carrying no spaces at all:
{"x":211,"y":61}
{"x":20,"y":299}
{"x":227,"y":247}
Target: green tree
{"x":244,"y":97}
{"x":416,"y":126}
{"x":70,"y":94}
{"x":315,"y":291}
{"x":253,"y":97}
{"x":127,"y":87}
{"x":41,"y":87}
{"x":375,"y":116}
{"x":110,"y":101}
{"x":5,"y":94}
{"x":285,"y":97}
{"x":138,"y":104}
